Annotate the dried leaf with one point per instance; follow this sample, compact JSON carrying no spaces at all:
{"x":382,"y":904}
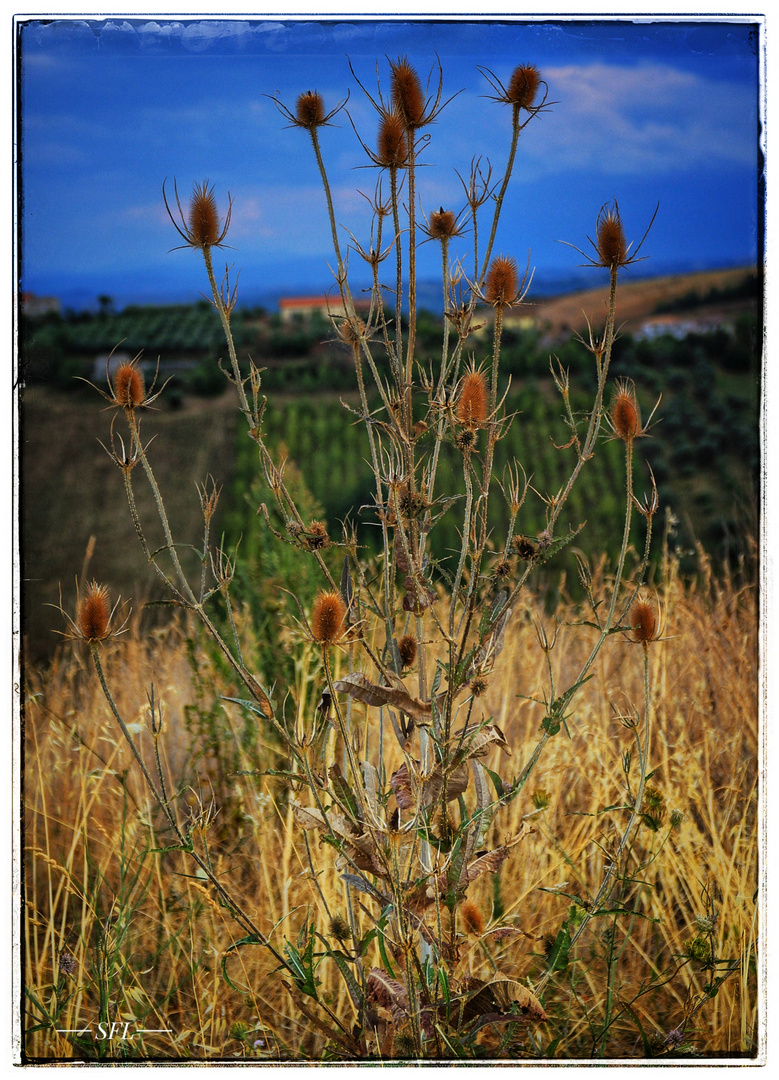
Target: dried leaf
{"x":371,"y":783}
{"x":362,"y":689}
{"x":477,"y":740}
{"x":503,"y":999}
{"x":488,"y":863}
{"x":342,"y":790}
{"x":388,"y":992}
{"x":429,"y":787}
{"x":500,"y":933}
{"x":259,"y":695}
{"x":307,"y":817}
{"x":400,"y":782}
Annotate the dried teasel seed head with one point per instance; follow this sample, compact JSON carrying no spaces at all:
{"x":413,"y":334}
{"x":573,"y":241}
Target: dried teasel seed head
{"x":351,"y":330}
{"x":442,"y":225}
{"x":94,"y":613}
{"x":392,"y":148}
{"x":310,"y":109}
{"x":316,"y":536}
{"x":465,"y":440}
{"x":203,"y":217}
{"x":625,"y":417}
{"x":128,"y":386}
{"x":525,"y":548}
{"x":328,"y":618}
{"x":643,"y":620}
{"x":523,"y":86}
{"x":502,"y":282}
{"x":407,"y":647}
{"x":472,"y":402}
{"x":610,"y":238}
{"x":473,"y":920}
{"x":339,"y":928}
{"x":502,"y":569}
{"x":407,"y":96}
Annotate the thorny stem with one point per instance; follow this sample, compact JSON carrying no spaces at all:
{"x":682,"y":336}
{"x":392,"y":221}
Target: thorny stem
{"x":412,"y":264}
{"x":171,"y":547}
{"x":398,"y":266}
{"x":515,"y":130}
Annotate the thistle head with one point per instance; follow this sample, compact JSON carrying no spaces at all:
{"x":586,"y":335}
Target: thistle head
{"x":310,"y":110}
{"x":502,"y":282}
{"x":339,"y":928}
{"x":201,"y":227}
{"x":407,"y":647}
{"x":521,"y":91}
{"x":392,"y":149}
{"x":624,"y":414}
{"x":203,"y":216}
{"x":610,"y":240}
{"x":442,"y":225}
{"x":471,"y":410}
{"x":643,"y":621}
{"x":473,"y":920}
{"x":94,"y":617}
{"x":523,"y":86}
{"x":407,"y":95}
{"x":128,"y":386}
{"x":328,"y":619}
{"x":610,"y":246}
{"x":315,"y":536}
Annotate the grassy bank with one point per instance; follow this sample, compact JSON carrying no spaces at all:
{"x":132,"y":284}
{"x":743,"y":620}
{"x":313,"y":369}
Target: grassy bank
{"x":145,"y":941}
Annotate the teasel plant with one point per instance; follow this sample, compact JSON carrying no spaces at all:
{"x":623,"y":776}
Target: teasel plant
{"x":389,"y":770}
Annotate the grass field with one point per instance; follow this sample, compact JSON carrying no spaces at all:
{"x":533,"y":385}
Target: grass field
{"x":147,"y":944}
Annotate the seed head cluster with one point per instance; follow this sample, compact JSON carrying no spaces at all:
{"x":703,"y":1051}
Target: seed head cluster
{"x":407,"y":96}
{"x":128,"y":386}
{"x":94,"y":613}
{"x":392,"y":145}
{"x":442,"y":225}
{"x":203,"y":217}
{"x":310,"y":109}
{"x":643,"y":620}
{"x":407,"y":647}
{"x":328,"y":618}
{"x":610,"y":238}
{"x":473,"y":920}
{"x":625,"y":416}
{"x":523,"y":86}
{"x":502,"y":282}
{"x":472,"y":402}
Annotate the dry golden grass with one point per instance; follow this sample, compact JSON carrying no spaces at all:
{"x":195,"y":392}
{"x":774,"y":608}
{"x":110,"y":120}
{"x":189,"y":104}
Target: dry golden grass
{"x":149,"y":940}
{"x":639,"y":300}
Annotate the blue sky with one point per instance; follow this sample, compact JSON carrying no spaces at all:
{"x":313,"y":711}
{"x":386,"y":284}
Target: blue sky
{"x":646,"y":112}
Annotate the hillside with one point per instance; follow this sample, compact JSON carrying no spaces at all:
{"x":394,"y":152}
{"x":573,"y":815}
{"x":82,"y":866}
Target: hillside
{"x":704,"y":454}
{"x":645,"y":300}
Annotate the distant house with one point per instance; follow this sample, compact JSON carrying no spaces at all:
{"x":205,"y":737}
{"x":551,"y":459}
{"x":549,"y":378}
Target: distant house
{"x":677,"y":328}
{"x":297,"y":308}
{"x":34,"y":306}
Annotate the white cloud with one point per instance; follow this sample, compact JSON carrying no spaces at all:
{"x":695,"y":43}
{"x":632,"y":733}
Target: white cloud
{"x":646,"y":117}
